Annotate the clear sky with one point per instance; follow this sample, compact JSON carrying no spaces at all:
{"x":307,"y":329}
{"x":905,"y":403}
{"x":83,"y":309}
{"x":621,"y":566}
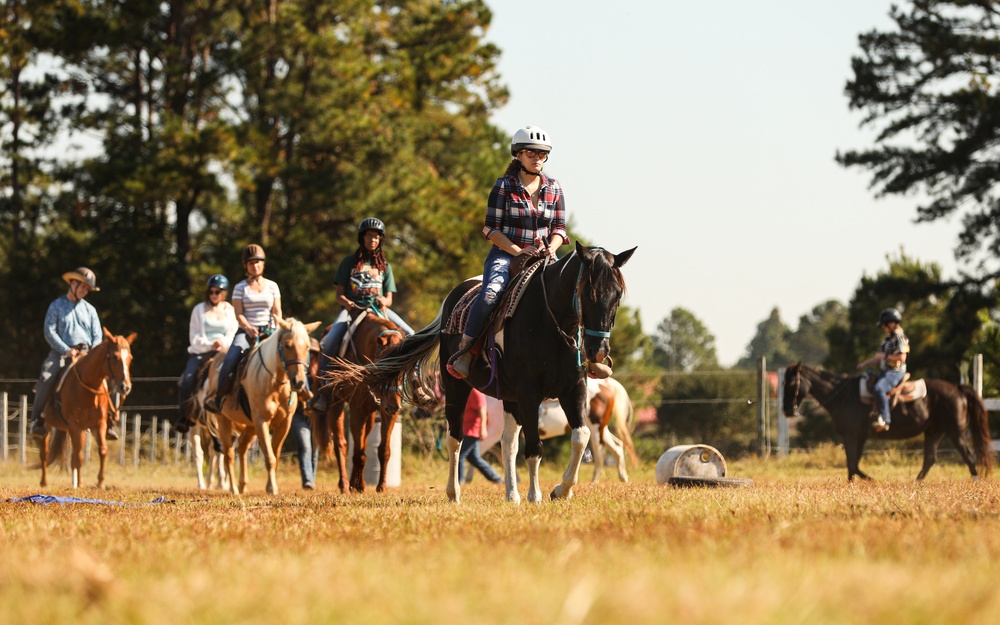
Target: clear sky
{"x":705,"y":133}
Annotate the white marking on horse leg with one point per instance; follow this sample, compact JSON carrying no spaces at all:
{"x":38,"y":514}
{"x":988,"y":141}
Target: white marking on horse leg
{"x":194,"y":440}
{"x":453,"y":489}
{"x":508,"y":448}
{"x":76,"y":478}
{"x":617,"y":447}
{"x":596,"y":452}
{"x":579,"y":439}
{"x":534,"y":489}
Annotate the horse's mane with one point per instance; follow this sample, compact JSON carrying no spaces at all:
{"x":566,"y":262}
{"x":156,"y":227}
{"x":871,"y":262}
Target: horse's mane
{"x":604,"y":276}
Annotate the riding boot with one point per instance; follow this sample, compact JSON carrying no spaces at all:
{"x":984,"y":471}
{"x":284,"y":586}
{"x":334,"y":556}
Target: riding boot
{"x":461,"y":362}
{"x":38,"y":427}
{"x":320,"y":401}
{"x":214,"y":403}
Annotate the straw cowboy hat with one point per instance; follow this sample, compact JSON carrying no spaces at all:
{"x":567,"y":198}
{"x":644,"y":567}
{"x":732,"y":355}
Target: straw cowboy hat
{"x":84,"y":275}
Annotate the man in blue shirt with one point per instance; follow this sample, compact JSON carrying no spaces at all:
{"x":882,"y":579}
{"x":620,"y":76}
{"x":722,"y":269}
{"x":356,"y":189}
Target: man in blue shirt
{"x":71,"y":328}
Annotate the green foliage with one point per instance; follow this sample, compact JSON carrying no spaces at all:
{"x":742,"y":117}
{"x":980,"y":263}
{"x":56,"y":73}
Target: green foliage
{"x":715,"y":408}
{"x":222,"y":124}
{"x":927,"y":87}
{"x":771,"y":341}
{"x":683,"y":343}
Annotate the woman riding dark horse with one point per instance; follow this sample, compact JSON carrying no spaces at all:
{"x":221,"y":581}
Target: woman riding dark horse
{"x":947,"y":409}
{"x":559,"y":330}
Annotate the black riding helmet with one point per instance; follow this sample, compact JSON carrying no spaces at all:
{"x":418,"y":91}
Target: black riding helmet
{"x":371,"y":223}
{"x":889,"y":314}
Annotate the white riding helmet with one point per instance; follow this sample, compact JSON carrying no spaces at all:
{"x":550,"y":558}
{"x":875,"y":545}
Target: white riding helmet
{"x":530,"y":138}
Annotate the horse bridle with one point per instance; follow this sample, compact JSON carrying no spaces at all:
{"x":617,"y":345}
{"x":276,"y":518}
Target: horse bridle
{"x":281,"y":354}
{"x":571,"y":342}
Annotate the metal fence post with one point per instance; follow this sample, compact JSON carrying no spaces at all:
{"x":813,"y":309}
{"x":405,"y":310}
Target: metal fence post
{"x":763,"y":444}
{"x":783,"y":443}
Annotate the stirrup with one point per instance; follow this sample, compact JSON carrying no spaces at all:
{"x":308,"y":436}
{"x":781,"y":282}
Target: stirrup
{"x":460,"y":364}
{"x":213,"y":405}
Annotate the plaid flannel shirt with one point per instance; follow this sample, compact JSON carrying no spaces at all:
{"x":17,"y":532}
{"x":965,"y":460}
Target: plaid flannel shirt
{"x":894,"y":343}
{"x":509,"y":211}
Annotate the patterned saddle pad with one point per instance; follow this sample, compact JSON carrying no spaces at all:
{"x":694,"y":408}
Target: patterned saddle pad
{"x":511,"y":298}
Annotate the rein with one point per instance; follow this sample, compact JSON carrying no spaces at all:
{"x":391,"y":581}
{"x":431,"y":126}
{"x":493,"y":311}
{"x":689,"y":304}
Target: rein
{"x":576,"y":343}
{"x":284,"y":363}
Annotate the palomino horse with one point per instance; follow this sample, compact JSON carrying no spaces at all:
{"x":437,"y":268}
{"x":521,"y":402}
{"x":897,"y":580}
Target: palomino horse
{"x":82,"y":400}
{"x":274,"y":375}
{"x":560,"y":329}
{"x":610,"y":410}
{"x":372,"y":338}
{"x":948,"y":409}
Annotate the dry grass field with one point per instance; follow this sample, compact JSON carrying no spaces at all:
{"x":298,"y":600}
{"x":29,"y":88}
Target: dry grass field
{"x":799,"y":546}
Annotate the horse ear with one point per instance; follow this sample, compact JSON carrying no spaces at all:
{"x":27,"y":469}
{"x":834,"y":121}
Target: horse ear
{"x":130,"y":338}
{"x":284,"y":324}
{"x":584,"y":253}
{"x":312,"y":326}
{"x":621,"y":259}
{"x":108,"y":334}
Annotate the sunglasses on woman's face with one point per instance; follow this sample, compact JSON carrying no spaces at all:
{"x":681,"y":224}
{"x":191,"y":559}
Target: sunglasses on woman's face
{"x":542,"y":154}
{"x":214,"y":291}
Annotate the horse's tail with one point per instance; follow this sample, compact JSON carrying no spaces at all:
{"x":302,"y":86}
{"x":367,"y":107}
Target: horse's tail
{"x":404,"y":365}
{"x":625,"y":420}
{"x":57,"y":444}
{"x":980,"y":427}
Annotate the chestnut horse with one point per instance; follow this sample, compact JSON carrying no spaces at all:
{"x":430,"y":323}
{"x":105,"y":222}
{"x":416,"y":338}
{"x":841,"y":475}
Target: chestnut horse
{"x":560,"y":330}
{"x":948,"y":409}
{"x":274,"y":375}
{"x":82,"y":400}
{"x":372,"y":337}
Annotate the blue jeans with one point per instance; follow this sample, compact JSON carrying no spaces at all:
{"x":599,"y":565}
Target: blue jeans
{"x":241,"y":343}
{"x":885,"y":383}
{"x":330,"y":344}
{"x":470,"y":451}
{"x":46,"y":381}
{"x":308,"y":455}
{"x":496,"y":276}
{"x":185,"y":387}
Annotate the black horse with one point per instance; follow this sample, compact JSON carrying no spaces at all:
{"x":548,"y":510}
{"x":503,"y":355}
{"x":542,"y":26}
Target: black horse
{"x":952,"y":409}
{"x":561,"y":327}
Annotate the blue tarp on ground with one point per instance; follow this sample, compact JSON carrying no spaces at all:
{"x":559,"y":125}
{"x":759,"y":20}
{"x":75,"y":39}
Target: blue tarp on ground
{"x":65,"y":500}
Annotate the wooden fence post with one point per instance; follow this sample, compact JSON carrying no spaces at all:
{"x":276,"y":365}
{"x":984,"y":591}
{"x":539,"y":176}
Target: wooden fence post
{"x":22,"y":434}
{"x":136,"y":433}
{"x":3,"y":425}
{"x":123,"y":441}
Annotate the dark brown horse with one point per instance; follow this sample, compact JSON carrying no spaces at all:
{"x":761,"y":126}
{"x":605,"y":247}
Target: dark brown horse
{"x":373,"y":336}
{"x":948,"y":409}
{"x":82,"y":401}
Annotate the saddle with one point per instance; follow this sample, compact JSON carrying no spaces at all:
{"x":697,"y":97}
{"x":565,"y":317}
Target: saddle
{"x":521,"y":274}
{"x":352,"y":327}
{"x":905,"y":392}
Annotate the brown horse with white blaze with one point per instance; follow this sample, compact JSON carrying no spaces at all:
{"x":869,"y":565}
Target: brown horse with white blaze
{"x":373,"y":337}
{"x":948,"y":409}
{"x":82,"y":402}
